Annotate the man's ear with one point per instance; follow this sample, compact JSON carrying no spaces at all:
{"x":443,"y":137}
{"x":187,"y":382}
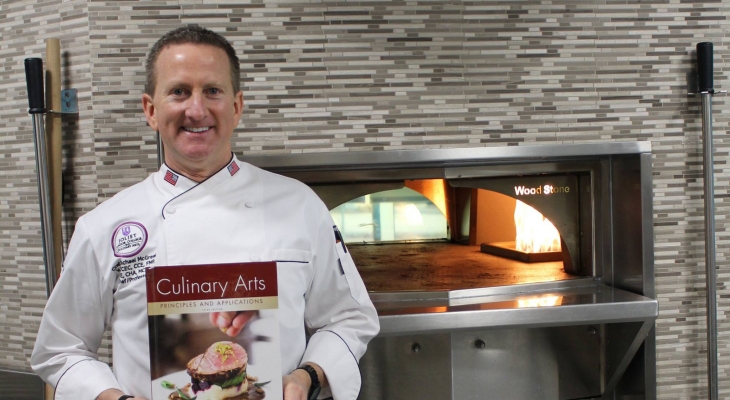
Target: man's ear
{"x":149,"y":111}
{"x":238,"y":105}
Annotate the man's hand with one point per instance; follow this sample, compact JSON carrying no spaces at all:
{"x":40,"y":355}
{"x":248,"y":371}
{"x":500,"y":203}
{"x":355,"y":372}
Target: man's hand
{"x":296,"y":385}
{"x":231,"y":322}
{"x":115,"y":394}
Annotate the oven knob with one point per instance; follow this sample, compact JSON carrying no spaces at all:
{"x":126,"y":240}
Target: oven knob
{"x":479,"y":344}
{"x":416,"y":348}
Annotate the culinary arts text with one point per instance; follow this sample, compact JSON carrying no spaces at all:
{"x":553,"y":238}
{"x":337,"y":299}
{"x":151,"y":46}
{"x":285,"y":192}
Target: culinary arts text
{"x":184,"y":286}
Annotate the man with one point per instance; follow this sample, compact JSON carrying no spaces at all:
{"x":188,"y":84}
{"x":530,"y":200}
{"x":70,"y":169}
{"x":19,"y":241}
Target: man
{"x":203,"y":206}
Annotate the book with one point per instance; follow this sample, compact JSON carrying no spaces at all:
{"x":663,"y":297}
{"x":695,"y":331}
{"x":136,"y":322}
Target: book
{"x":191,"y":358}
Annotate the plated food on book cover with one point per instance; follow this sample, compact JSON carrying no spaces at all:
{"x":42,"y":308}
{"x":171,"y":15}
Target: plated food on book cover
{"x":193,"y":359}
{"x":217,"y":374}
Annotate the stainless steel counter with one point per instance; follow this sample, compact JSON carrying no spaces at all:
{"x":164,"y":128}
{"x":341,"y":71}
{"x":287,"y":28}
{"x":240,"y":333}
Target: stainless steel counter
{"x":571,"y":302}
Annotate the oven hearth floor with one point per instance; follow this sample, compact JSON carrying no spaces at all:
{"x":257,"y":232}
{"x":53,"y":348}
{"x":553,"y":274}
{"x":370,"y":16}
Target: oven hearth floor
{"x":444,"y":266}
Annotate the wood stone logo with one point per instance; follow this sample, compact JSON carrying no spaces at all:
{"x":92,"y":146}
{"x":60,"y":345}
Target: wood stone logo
{"x":544,"y":189}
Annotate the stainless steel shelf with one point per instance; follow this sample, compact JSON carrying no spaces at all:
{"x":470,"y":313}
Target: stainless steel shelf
{"x":574,"y":302}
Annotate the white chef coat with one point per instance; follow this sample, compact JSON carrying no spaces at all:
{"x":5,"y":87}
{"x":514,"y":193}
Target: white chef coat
{"x":239,"y":214}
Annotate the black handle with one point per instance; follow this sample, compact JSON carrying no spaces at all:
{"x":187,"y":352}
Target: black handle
{"x":34,"y":79}
{"x":704,"y":67}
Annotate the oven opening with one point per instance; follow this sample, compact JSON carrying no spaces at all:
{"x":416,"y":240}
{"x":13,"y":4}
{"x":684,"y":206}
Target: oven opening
{"x":442,"y":235}
{"x":394,"y":216}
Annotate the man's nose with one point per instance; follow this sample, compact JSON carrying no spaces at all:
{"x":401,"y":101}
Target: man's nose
{"x":196,"y":109}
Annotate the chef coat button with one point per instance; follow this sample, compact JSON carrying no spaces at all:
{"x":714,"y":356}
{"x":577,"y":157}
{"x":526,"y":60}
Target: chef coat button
{"x":171,"y":210}
{"x":248,"y":204}
{"x":255,"y":258}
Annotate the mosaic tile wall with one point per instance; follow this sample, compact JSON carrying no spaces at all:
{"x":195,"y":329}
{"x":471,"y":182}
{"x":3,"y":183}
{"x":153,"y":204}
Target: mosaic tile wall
{"x":385,"y":75}
{"x":24,"y":28}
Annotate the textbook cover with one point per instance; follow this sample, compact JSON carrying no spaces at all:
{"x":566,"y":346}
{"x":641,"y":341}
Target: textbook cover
{"x":190,"y":357}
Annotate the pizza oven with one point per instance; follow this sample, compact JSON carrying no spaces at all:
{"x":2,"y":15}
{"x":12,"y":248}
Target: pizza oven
{"x":498,"y":273}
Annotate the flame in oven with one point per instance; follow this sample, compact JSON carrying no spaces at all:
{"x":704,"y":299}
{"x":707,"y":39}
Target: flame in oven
{"x":535,"y":233}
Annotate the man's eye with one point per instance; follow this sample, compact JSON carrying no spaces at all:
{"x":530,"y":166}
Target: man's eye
{"x":178,"y":92}
{"x":214,"y":91}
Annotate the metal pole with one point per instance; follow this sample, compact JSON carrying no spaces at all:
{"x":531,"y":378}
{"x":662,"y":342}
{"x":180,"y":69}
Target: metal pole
{"x":710,"y":267}
{"x":705,"y":88}
{"x":44,"y":194}
{"x":34,"y":79}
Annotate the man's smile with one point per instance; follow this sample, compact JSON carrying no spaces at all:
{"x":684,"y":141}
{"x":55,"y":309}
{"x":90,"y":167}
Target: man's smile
{"x":195,"y":129}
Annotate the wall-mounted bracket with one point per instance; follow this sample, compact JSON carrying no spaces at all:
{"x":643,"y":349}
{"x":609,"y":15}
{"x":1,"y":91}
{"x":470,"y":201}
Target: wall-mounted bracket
{"x":69,"y":102}
{"x":693,"y":87}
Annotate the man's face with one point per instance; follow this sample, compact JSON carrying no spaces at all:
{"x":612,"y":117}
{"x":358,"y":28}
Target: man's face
{"x":194,"y":108}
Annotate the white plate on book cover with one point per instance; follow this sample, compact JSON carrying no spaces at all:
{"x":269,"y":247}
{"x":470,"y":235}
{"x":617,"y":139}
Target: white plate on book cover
{"x":180,"y":379}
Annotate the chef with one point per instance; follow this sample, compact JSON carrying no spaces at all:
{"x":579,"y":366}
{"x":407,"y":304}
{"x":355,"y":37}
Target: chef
{"x":204,"y":205}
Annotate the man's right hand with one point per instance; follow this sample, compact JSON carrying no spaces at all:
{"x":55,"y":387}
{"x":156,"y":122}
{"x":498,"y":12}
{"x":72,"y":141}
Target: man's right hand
{"x":231,"y":322}
{"x":115,"y":394}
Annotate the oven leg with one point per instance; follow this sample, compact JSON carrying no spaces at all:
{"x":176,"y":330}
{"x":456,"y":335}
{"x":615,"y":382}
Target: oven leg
{"x":615,"y":370}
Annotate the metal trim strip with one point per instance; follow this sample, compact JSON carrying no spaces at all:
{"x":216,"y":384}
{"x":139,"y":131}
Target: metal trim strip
{"x":379,"y":158}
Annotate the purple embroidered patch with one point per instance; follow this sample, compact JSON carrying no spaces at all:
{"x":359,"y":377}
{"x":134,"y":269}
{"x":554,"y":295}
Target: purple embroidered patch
{"x":129,"y":239}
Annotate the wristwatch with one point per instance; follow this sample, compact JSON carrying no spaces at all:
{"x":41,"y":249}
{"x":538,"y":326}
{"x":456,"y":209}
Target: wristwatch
{"x":314,"y":388}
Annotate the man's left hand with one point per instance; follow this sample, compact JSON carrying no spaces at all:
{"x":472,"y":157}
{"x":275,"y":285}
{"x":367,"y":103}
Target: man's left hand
{"x":296,"y":385}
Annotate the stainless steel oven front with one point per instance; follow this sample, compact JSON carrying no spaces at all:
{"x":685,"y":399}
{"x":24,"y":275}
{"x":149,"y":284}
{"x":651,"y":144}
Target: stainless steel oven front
{"x":476,"y":310}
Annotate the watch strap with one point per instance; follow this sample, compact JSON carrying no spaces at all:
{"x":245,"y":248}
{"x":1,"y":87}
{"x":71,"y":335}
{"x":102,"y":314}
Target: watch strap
{"x":314,"y":388}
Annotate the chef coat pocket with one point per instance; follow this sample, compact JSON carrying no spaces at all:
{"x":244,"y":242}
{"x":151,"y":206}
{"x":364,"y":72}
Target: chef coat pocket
{"x":354,"y":281}
{"x":294,"y":270}
{"x":292,"y":255}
